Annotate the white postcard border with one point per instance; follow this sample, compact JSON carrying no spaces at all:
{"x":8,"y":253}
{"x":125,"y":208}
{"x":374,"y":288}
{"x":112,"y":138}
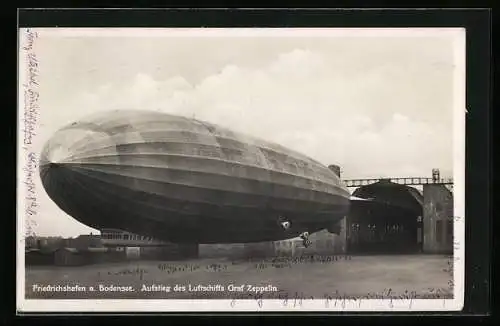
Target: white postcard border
{"x":215,"y":305}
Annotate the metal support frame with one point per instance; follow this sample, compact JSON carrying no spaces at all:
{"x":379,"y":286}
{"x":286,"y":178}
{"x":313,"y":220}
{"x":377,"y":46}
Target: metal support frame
{"x":407,"y":181}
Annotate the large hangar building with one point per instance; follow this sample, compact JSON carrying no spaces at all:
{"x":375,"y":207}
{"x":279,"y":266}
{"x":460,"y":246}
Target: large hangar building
{"x":398,"y":218}
{"x":389,"y":221}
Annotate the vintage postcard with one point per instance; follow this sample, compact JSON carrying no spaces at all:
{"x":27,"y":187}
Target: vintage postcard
{"x":241,"y":169}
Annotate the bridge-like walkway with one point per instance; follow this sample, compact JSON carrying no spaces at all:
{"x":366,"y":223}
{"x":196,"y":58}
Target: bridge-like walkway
{"x":407,"y":181}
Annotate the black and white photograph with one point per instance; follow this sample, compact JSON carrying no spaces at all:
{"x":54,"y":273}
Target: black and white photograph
{"x":241,"y":169}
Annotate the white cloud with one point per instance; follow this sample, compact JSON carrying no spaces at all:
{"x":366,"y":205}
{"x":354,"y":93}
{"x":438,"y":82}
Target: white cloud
{"x":298,"y":101}
{"x":298,"y":63}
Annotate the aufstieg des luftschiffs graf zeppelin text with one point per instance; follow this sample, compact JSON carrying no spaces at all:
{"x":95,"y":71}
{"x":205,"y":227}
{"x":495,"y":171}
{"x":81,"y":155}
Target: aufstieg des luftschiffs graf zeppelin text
{"x":209,"y":288}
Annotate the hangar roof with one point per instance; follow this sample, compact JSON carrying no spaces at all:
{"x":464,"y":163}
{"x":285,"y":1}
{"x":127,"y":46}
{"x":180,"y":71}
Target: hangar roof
{"x":392,"y":194}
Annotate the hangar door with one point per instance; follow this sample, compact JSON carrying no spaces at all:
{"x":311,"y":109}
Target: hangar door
{"x":389,"y":222}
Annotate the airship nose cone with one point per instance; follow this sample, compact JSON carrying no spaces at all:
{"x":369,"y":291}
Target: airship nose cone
{"x":63,"y":168}
{"x":79,"y":168}
{"x":54,"y":157}
{"x":47,"y":165}
{"x":55,"y":173}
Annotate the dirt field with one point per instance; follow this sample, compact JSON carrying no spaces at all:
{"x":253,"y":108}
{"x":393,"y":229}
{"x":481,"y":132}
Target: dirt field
{"x":421,"y":276}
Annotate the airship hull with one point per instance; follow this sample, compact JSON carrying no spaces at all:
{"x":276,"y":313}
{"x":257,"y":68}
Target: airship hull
{"x":186,"y":181}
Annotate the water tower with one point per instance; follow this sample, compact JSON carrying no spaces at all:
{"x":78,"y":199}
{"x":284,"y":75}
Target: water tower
{"x":435,"y":175}
{"x":335,"y":169}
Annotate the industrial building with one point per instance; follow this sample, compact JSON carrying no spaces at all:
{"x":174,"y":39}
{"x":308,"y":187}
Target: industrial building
{"x":390,"y":221}
{"x":399,"y":218}
{"x":138,"y":246}
{"x":438,"y":219}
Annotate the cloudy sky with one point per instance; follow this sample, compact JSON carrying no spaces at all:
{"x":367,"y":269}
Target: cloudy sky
{"x":378,"y":104}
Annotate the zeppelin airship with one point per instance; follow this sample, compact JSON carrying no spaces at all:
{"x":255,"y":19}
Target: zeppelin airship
{"x":187,"y":181}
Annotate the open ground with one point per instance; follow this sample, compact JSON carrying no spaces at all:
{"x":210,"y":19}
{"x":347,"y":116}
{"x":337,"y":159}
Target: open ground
{"x":422,"y":276}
